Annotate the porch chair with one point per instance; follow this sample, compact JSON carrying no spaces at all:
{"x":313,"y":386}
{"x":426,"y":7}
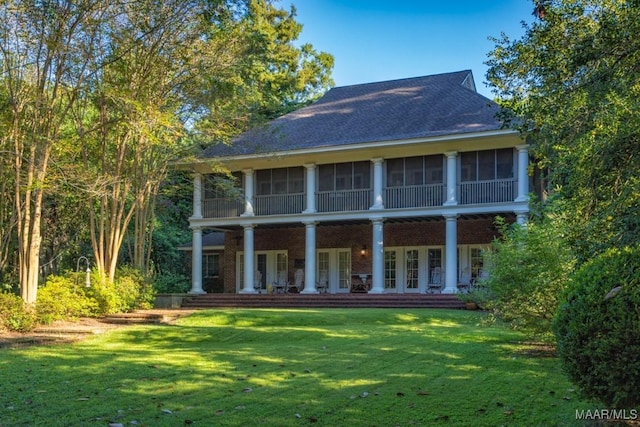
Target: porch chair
{"x":465,"y":280}
{"x":298,"y":282}
{"x":280,"y":285}
{"x":435,"y":284}
{"x":323,"y":283}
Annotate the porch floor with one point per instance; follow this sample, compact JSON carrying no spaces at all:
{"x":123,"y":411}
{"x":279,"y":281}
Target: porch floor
{"x":352,"y":300}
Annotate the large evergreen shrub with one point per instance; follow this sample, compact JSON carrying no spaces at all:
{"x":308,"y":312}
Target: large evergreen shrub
{"x":528,"y":269}
{"x":65,"y":297}
{"x":598,"y":328}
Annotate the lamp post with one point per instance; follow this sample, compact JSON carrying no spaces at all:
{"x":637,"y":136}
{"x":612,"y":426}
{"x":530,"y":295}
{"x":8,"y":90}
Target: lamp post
{"x":87,"y":282}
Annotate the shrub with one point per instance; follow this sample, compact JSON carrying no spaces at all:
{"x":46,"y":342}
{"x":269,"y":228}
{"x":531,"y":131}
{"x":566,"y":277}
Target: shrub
{"x":167,"y":283}
{"x":598,"y":328}
{"x":15,"y":315}
{"x":64,"y":297}
{"x":528,"y":271}
{"x":129,"y":291}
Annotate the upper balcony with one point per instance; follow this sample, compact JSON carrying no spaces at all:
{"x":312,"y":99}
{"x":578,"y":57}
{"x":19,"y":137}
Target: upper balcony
{"x":471,"y":178}
{"x":415,"y":196}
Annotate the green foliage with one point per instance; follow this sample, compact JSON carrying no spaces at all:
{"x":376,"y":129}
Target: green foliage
{"x":15,"y":314}
{"x":168,"y":283}
{"x":65,"y":297}
{"x":571,"y":84}
{"x":598,"y":328}
{"x":129,"y":291}
{"x":528,"y":270}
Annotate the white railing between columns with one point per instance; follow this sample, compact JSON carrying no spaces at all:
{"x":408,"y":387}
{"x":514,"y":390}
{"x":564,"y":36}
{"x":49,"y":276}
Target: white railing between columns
{"x":221,"y":208}
{"x":414,"y":196}
{"x":345,"y":200}
{"x":495,"y":191}
{"x":279,"y":204}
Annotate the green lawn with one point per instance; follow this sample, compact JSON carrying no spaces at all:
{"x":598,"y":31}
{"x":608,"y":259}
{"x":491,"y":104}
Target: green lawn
{"x":330,"y":367}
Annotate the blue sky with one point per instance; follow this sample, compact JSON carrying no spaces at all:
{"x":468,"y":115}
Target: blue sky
{"x":376,"y":40}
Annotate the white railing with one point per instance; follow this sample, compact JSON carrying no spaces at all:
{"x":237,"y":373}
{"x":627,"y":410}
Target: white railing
{"x":478,"y":192}
{"x":279,"y":204}
{"x":345,"y":200}
{"x":414,"y":196}
{"x":221,"y":208}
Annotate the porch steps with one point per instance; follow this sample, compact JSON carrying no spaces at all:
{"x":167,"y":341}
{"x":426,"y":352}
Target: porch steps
{"x":355,"y":300}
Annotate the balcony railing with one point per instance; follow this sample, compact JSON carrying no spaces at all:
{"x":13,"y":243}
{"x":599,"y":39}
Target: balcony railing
{"x":414,"y":196}
{"x":345,"y":200}
{"x":279,"y":204}
{"x":221,"y":208}
{"x":477,"y":192}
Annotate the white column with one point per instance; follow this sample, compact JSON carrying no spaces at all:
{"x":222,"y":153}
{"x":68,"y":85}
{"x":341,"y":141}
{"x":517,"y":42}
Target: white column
{"x":248,"y":192}
{"x":196,"y":262}
{"x":523,"y":173}
{"x":377,"y":257}
{"x":378,"y":200}
{"x":310,"y":259}
{"x":451,"y":254}
{"x":452,"y":178}
{"x":249,"y":268}
{"x":311,"y":188}
{"x":522,"y":217}
{"x":197,"y":196}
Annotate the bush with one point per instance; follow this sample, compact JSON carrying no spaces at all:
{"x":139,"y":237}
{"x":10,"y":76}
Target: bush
{"x":171,"y":283}
{"x":64,"y":297}
{"x":15,"y":315}
{"x":528,"y":271}
{"x":598,"y":328}
{"x":129,"y":291}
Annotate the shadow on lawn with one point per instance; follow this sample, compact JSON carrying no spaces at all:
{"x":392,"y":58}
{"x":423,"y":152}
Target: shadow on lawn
{"x":263,"y":363}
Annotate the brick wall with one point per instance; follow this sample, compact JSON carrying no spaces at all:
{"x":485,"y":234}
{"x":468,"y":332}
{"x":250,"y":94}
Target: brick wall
{"x":428,"y":233}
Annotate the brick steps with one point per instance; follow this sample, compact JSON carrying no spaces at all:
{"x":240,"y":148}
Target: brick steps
{"x":324,"y":301}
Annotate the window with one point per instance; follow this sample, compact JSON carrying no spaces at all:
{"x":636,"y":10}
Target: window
{"x":418,"y":170}
{"x":390,"y":269}
{"x":211,"y":265}
{"x":279,"y":181}
{"x":344,"y":176}
{"x":486,"y":165}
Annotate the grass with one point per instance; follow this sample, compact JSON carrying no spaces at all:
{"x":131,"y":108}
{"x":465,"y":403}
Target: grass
{"x":330,"y":367}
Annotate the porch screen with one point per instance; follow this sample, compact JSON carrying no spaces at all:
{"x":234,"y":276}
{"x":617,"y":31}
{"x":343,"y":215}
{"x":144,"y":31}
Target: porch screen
{"x":486,"y":165}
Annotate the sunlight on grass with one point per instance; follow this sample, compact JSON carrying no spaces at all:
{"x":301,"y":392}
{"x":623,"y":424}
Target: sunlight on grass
{"x":244,"y":367}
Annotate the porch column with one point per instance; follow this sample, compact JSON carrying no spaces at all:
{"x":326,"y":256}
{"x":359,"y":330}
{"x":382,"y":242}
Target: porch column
{"x":310,"y":259}
{"x":523,"y":173}
{"x":248,"y":192}
{"x":378,"y":199}
{"x":196,"y":262}
{"x":452,"y":177}
{"x":249,"y":269}
{"x":451,"y":253}
{"x":522,"y":217}
{"x":377,"y":257}
{"x":197,"y":196}
{"x":310,"y":193}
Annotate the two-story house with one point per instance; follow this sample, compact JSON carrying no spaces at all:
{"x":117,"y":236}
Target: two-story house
{"x":388,"y":187}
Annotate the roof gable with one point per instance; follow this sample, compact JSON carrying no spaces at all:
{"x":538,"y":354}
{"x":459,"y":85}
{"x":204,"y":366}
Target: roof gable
{"x":420,"y":107}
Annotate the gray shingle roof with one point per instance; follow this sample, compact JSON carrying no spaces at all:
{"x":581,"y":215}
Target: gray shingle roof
{"x":437,"y":105}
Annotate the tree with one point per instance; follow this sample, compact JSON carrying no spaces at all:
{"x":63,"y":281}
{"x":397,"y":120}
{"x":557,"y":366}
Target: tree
{"x":45,"y":57}
{"x":111,"y":91}
{"x":572,"y":84}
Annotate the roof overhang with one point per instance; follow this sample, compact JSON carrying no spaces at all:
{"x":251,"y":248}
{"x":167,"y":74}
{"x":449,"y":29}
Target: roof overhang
{"x":502,"y":138}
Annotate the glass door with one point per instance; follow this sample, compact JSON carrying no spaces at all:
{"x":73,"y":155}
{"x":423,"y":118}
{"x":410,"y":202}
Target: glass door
{"x":390,"y":271}
{"x":412,"y":270}
{"x":344,"y":270}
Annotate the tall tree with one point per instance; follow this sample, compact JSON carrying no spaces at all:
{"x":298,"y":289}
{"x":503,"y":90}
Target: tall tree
{"x":572,"y":83}
{"x":45,"y":55}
